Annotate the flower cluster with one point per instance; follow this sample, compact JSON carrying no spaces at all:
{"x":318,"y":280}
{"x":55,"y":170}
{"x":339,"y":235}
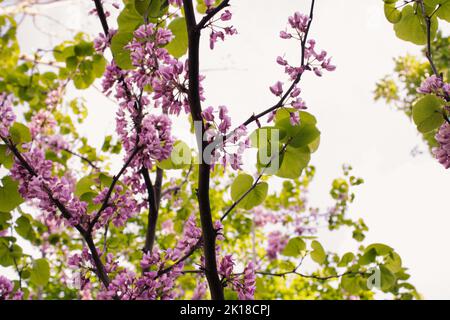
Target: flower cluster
{"x":43,"y":122}
{"x":45,"y":188}
{"x":150,"y":286}
{"x":7,"y":116}
{"x":54,"y":97}
{"x":442,"y":152}
{"x":155,"y":67}
{"x":218,"y":32}
{"x":191,"y":237}
{"x":276,"y":243}
{"x":435,"y":85}
{"x":246,"y":286}
{"x":102,"y":42}
{"x":7,"y":290}
{"x":120,"y":207}
{"x":157,"y":282}
{"x":229,"y":146}
{"x":312,"y":60}
{"x":200,"y":291}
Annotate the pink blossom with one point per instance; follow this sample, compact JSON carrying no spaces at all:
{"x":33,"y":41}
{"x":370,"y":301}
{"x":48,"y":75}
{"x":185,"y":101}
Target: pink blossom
{"x":7,"y":116}
{"x":6,"y":288}
{"x":208,"y":114}
{"x":281,"y":61}
{"x":226,"y":15}
{"x":200,"y":291}
{"x":277,"y":88}
{"x":442,"y":153}
{"x":276,"y":243}
{"x":285,"y":35}
{"x":247,"y":287}
{"x":226,"y":266}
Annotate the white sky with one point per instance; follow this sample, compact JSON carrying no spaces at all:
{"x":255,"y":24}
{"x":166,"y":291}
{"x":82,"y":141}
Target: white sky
{"x":404,"y":200}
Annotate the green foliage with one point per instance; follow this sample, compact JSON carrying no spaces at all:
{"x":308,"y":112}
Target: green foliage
{"x":411,"y":26}
{"x":9,"y":195}
{"x":427,"y":113}
{"x":82,"y":63}
{"x":24,"y":228}
{"x":180,"y":157}
{"x":179,"y":45}
{"x":40,"y":272}
{"x":19,"y":133}
{"x":318,"y":254}
{"x":410,"y":23}
{"x":121,"y":55}
{"x":241,"y":185}
{"x":294,"y":248}
{"x":400,"y":88}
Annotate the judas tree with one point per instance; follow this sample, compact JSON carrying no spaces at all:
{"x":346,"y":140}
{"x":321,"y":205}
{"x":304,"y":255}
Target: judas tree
{"x":175,"y":221}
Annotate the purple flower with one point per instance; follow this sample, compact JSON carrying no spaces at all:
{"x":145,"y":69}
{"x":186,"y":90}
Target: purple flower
{"x":226,"y":266}
{"x":6,"y":288}
{"x":442,"y":152}
{"x":276,"y":243}
{"x":7,"y":116}
{"x":277,"y":88}
{"x":431,"y":85}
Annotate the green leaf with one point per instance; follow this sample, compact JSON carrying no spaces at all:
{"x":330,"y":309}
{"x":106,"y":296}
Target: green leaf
{"x":307,"y":135}
{"x":294,"y":247}
{"x":179,"y":45}
{"x":84,"y":185}
{"x":6,"y":157}
{"x":380,"y":249}
{"x":412,"y":27}
{"x":393,"y":15}
{"x":255,"y":197}
{"x":20,"y":133}
{"x":129,"y":19}
{"x":148,"y":8}
{"x":9,"y":253}
{"x":180,"y":157}
{"x":24,"y":228}
{"x":444,"y":10}
{"x":99,"y":65}
{"x":346,"y":259}
{"x":5,"y":218}
{"x":293,"y":162}
{"x":282,"y":121}
{"x":394,"y":262}
{"x":368,"y":257}
{"x":387,"y":278}
{"x":120,"y":54}
{"x":427,"y":113}
{"x":350,"y":283}
{"x":40,"y":272}
{"x":9,"y":195}
{"x":318,"y":253}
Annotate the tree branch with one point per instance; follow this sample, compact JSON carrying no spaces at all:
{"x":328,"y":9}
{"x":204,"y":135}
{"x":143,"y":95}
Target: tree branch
{"x":87,"y":235}
{"x":209,"y":234}
{"x":428,"y":52}
{"x":253,"y":186}
{"x":280,"y":103}
{"x":83,"y":158}
{"x":102,"y":16}
{"x":210,"y":14}
{"x":111,"y":188}
{"x":152,"y":214}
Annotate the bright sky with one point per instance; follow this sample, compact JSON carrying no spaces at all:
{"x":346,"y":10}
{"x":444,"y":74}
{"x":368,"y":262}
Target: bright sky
{"x":404,"y":199}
